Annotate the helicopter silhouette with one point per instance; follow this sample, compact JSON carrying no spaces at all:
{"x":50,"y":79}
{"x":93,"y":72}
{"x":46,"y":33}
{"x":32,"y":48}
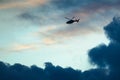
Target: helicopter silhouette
{"x":72,"y":20}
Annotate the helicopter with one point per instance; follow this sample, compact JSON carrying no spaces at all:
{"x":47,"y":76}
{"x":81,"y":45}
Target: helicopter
{"x":72,"y":20}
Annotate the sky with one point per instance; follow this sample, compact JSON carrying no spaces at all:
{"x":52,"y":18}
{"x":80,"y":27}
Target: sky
{"x":33,"y":32}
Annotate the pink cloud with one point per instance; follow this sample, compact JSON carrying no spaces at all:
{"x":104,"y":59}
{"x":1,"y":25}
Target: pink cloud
{"x":21,"y":4}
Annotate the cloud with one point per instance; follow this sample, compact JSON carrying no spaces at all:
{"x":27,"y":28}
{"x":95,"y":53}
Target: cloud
{"x":56,"y":10}
{"x":86,"y":6}
{"x":95,"y":74}
{"x":21,"y":4}
{"x":30,"y":17}
{"x":20,"y":72}
{"x":113,"y":29}
{"x":19,"y":47}
{"x":49,"y":41}
{"x":107,"y":56}
{"x":71,"y":31}
{"x":50,"y":72}
{"x":86,"y":10}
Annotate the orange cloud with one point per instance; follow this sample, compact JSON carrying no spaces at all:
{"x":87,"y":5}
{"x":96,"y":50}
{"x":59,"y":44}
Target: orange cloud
{"x":25,"y":3}
{"x":20,"y":47}
{"x":35,"y":2}
{"x":49,"y":41}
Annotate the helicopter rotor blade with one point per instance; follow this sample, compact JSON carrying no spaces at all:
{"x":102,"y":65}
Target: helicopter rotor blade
{"x":73,"y":17}
{"x":67,"y":18}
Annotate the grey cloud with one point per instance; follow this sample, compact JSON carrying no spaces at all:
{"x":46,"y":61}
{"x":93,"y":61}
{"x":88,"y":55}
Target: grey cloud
{"x":54,"y":13}
{"x":50,"y":72}
{"x":109,"y":56}
{"x":78,"y":4}
{"x":112,"y":30}
{"x":74,"y":6}
{"x":30,"y":17}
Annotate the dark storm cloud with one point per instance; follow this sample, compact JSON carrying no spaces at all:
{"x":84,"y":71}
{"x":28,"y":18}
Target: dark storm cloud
{"x":95,"y":74}
{"x":50,"y":72}
{"x":106,"y":55}
{"x":113,"y":29}
{"x":109,"y":56}
{"x":20,"y":72}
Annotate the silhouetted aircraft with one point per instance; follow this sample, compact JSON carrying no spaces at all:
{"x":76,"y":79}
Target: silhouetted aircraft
{"x":71,"y":20}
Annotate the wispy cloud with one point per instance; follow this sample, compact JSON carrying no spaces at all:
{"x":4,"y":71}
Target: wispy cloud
{"x":49,"y":41}
{"x":22,"y":3}
{"x":54,"y":15}
{"x":83,"y":9}
{"x":19,"y":48}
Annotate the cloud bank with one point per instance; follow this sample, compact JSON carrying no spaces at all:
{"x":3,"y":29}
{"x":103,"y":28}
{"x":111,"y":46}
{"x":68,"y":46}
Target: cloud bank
{"x":50,"y":72}
{"x":108,"y":56}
